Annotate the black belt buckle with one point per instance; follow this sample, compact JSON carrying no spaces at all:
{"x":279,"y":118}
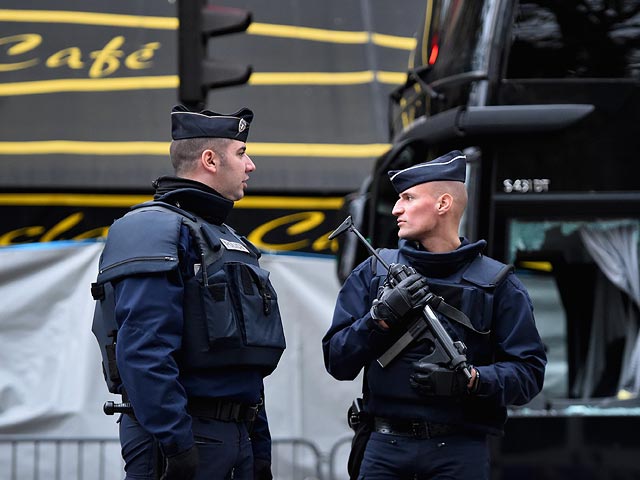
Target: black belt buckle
{"x":419,"y":430}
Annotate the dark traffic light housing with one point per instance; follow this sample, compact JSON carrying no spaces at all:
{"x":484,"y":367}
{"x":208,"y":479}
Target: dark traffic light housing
{"x":198,"y":73}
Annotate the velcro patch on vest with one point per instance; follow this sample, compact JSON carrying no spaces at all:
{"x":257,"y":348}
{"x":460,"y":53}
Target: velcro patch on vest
{"x":229,"y":245}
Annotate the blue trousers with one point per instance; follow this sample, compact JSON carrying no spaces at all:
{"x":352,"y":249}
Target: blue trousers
{"x":224,"y":450}
{"x":451,"y":457}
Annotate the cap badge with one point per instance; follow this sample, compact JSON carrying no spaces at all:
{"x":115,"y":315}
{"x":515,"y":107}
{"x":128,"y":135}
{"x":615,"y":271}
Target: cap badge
{"x":242,"y":125}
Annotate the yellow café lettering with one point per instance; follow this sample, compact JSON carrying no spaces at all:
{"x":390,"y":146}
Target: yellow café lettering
{"x":38,"y":233}
{"x":323,"y":243}
{"x":20,"y":44}
{"x":298,"y":224}
{"x":105,"y":62}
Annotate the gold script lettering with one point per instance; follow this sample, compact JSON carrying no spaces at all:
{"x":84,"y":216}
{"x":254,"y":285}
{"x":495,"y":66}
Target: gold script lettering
{"x":323,"y":243}
{"x":142,"y":58}
{"x":62,"y":226}
{"x":72,"y":57}
{"x":100,"y":232}
{"x":300,"y":223}
{"x":23,"y":44}
{"x":13,"y":236}
{"x":106,"y":60}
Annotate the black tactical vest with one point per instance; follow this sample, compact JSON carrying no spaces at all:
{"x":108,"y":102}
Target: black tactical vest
{"x":230,"y":309}
{"x":471,"y":292}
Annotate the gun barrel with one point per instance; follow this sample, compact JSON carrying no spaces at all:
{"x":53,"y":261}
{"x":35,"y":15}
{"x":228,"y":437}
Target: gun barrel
{"x":348,"y":225}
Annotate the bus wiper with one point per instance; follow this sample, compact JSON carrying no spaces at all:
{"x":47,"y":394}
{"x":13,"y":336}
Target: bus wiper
{"x":416,"y":75}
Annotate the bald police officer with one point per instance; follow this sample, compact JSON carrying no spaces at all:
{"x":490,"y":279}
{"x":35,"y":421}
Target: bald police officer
{"x":428,"y":421}
{"x":196,"y":324}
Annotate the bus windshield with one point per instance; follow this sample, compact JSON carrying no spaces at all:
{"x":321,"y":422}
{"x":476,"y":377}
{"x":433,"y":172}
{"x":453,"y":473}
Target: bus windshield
{"x":455,"y":40}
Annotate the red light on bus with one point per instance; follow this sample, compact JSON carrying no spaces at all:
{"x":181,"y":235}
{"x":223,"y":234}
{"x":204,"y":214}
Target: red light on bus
{"x":433,"y":56}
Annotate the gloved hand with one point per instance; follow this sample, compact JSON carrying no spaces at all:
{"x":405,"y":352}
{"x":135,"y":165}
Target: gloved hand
{"x":262,"y":469}
{"x":182,"y":466}
{"x":430,"y":379}
{"x":393,"y":303}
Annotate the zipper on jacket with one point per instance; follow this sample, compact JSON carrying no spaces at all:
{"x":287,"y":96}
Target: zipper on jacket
{"x":137,"y":259}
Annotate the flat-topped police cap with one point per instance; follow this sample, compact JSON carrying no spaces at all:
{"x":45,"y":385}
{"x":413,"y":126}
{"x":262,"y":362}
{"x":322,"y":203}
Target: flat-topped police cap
{"x":188,"y":124}
{"x":452,"y":166}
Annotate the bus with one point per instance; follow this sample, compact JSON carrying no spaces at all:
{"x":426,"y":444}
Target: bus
{"x":543,"y":97}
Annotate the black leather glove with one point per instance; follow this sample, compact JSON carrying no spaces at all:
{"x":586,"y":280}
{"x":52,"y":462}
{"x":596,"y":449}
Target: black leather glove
{"x":262,"y":469}
{"x":182,"y":466}
{"x":430,"y":379}
{"x":393,"y":303}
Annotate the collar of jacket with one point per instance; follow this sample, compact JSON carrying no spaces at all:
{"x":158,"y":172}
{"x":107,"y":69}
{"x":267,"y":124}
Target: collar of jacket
{"x":440,"y":265}
{"x":194,"y":197}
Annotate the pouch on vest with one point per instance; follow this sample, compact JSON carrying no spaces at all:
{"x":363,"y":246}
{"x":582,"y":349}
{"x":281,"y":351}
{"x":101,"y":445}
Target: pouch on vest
{"x":242,"y":305}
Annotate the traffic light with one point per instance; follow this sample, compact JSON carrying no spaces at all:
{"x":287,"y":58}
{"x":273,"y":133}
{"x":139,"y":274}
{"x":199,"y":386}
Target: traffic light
{"x":198,"y":73}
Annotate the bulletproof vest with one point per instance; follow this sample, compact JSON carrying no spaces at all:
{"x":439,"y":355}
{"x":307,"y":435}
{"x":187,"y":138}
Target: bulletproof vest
{"x":230,"y":309}
{"x":470,"y":291}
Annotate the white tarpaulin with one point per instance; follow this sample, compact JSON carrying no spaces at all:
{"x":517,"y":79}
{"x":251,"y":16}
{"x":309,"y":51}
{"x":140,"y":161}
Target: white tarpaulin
{"x":50,"y":378}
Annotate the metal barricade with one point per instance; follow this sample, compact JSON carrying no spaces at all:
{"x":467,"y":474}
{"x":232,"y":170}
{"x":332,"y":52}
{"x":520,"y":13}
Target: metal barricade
{"x":29,"y":457}
{"x":338,"y":456}
{"x":296,"y":459}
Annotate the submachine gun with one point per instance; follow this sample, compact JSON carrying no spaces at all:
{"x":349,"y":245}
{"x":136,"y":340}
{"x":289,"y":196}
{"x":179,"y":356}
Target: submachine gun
{"x":446,"y":352}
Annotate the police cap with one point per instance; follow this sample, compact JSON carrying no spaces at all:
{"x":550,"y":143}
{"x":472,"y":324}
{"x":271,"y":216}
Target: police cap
{"x":451,"y":166}
{"x":188,"y":124}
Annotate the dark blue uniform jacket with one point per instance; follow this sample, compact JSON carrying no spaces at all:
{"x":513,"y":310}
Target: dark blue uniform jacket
{"x":149,"y":311}
{"x":511,"y":359}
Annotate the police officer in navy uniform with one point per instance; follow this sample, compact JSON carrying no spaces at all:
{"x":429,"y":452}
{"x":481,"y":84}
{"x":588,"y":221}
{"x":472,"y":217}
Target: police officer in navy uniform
{"x":427,"y":420}
{"x":198,"y":324}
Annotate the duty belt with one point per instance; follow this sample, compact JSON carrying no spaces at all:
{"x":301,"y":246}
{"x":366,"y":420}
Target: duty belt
{"x":414,"y":428}
{"x":223,"y":410}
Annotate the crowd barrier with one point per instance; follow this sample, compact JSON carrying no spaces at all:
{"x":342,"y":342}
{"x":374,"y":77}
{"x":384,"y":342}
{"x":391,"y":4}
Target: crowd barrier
{"x":27,"y":457}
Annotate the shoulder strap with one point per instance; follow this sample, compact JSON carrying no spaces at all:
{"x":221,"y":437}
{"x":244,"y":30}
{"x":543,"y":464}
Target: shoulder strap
{"x":452,"y":313}
{"x":486,"y":272}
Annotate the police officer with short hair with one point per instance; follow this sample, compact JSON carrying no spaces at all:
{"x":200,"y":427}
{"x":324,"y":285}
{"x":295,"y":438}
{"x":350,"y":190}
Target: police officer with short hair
{"x":429,"y":421}
{"x":196,"y":324}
